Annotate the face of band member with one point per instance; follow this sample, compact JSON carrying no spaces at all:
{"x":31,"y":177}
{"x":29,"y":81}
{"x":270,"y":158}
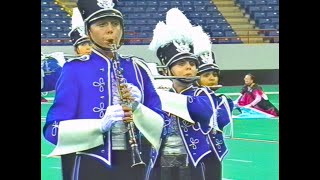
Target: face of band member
{"x":105,"y":31}
{"x":84,"y":48}
{"x":248,"y":80}
{"x":185,"y":67}
{"x":209,"y":78}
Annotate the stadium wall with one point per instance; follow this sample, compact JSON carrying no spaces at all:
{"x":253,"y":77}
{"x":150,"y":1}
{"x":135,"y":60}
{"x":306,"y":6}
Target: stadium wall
{"x":234,"y":60}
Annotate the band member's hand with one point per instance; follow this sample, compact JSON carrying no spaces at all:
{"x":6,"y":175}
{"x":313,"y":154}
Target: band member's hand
{"x":135,"y":92}
{"x":113,"y":113}
{"x":127,"y":114}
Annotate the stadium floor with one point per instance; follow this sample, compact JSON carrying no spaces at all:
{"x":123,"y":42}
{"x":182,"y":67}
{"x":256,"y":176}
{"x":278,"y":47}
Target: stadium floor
{"x":253,"y":151}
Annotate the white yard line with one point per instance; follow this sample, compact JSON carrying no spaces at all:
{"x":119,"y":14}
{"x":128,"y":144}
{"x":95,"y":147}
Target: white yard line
{"x":239,"y":160}
{"x":256,"y":140}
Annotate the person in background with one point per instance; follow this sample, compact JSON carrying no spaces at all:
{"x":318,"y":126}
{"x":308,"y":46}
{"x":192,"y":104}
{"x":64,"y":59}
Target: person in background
{"x":252,"y":96}
{"x":50,"y":73}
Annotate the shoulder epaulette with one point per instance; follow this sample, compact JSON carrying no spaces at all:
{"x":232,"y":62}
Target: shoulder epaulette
{"x":135,"y":59}
{"x":80,"y":58}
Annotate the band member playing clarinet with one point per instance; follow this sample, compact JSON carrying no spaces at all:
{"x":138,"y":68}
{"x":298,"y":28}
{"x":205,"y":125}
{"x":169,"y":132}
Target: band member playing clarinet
{"x":106,"y":111}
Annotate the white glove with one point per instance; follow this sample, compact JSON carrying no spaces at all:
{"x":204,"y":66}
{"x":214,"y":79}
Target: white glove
{"x":113,"y":113}
{"x":135,"y":92}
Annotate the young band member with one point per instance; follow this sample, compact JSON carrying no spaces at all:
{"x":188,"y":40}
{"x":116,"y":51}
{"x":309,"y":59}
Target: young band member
{"x":106,"y":109}
{"x":194,"y":144}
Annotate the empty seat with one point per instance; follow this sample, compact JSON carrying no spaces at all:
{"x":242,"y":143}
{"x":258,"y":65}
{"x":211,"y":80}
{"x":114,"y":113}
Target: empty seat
{"x":272,"y":2}
{"x":129,"y":21}
{"x":63,"y":35}
{"x":257,"y":15}
{"x":211,"y":8}
{"x":140,"y":21}
{"x":133,"y":15}
{"x":52,"y":35}
{"x":216,"y":27}
{"x":266,"y":8}
{"x":198,"y":21}
{"x":141,"y":3}
{"x":44,"y":16}
{"x":130,"y":3}
{"x":252,"y":9}
{"x":216,"y":14}
{"x":207,"y":2}
{"x":152,"y":3}
{"x":164,"y":3}
{"x":204,"y":15}
{"x":198,"y":3}
{"x":194,"y":15}
{"x":146,"y":28}
{"x":200,"y":8}
{"x":211,"y":21}
{"x":45,"y":29}
{"x":152,"y":21}
{"x":267,"y":26}
{"x":221,"y":21}
{"x":187,"y":3}
{"x":275,"y":20}
{"x":260,"y":2}
{"x":217,"y":34}
{"x":264,"y":21}
{"x":163,"y":9}
{"x":151,"y":9}
{"x":175,"y":3}
{"x":159,"y":15}
{"x":139,"y":9}
{"x":187,"y":8}
{"x":57,"y":29}
{"x":225,"y":27}
{"x":272,"y":15}
{"x":230,"y":33}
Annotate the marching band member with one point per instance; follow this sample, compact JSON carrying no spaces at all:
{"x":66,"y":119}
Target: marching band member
{"x":209,"y":73}
{"x":80,"y":41}
{"x":193,"y":146}
{"x":106,"y":109}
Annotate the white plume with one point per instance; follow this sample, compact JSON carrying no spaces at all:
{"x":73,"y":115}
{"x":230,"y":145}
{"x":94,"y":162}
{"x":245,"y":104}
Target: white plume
{"x":177,"y":19}
{"x":177,"y":27}
{"x":201,"y":40}
{"x":161,"y":36}
{"x":76,"y":21}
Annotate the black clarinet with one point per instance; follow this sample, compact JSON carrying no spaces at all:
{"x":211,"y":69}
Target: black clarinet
{"x":135,"y":153}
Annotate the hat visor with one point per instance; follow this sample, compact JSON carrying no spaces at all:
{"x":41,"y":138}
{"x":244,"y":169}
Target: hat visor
{"x":206,"y":67}
{"x":181,"y":56}
{"x":81,"y":40}
{"x":103,"y":13}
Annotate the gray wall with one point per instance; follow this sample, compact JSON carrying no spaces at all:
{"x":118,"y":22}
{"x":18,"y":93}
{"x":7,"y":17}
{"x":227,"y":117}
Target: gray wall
{"x":228,"y":56}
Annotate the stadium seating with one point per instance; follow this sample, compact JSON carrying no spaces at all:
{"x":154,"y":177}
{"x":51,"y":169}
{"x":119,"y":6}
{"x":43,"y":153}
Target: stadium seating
{"x":142,"y":16}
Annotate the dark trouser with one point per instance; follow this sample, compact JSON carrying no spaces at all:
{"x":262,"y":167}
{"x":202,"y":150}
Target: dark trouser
{"x":93,"y":169}
{"x":67,"y":164}
{"x":209,"y":168}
